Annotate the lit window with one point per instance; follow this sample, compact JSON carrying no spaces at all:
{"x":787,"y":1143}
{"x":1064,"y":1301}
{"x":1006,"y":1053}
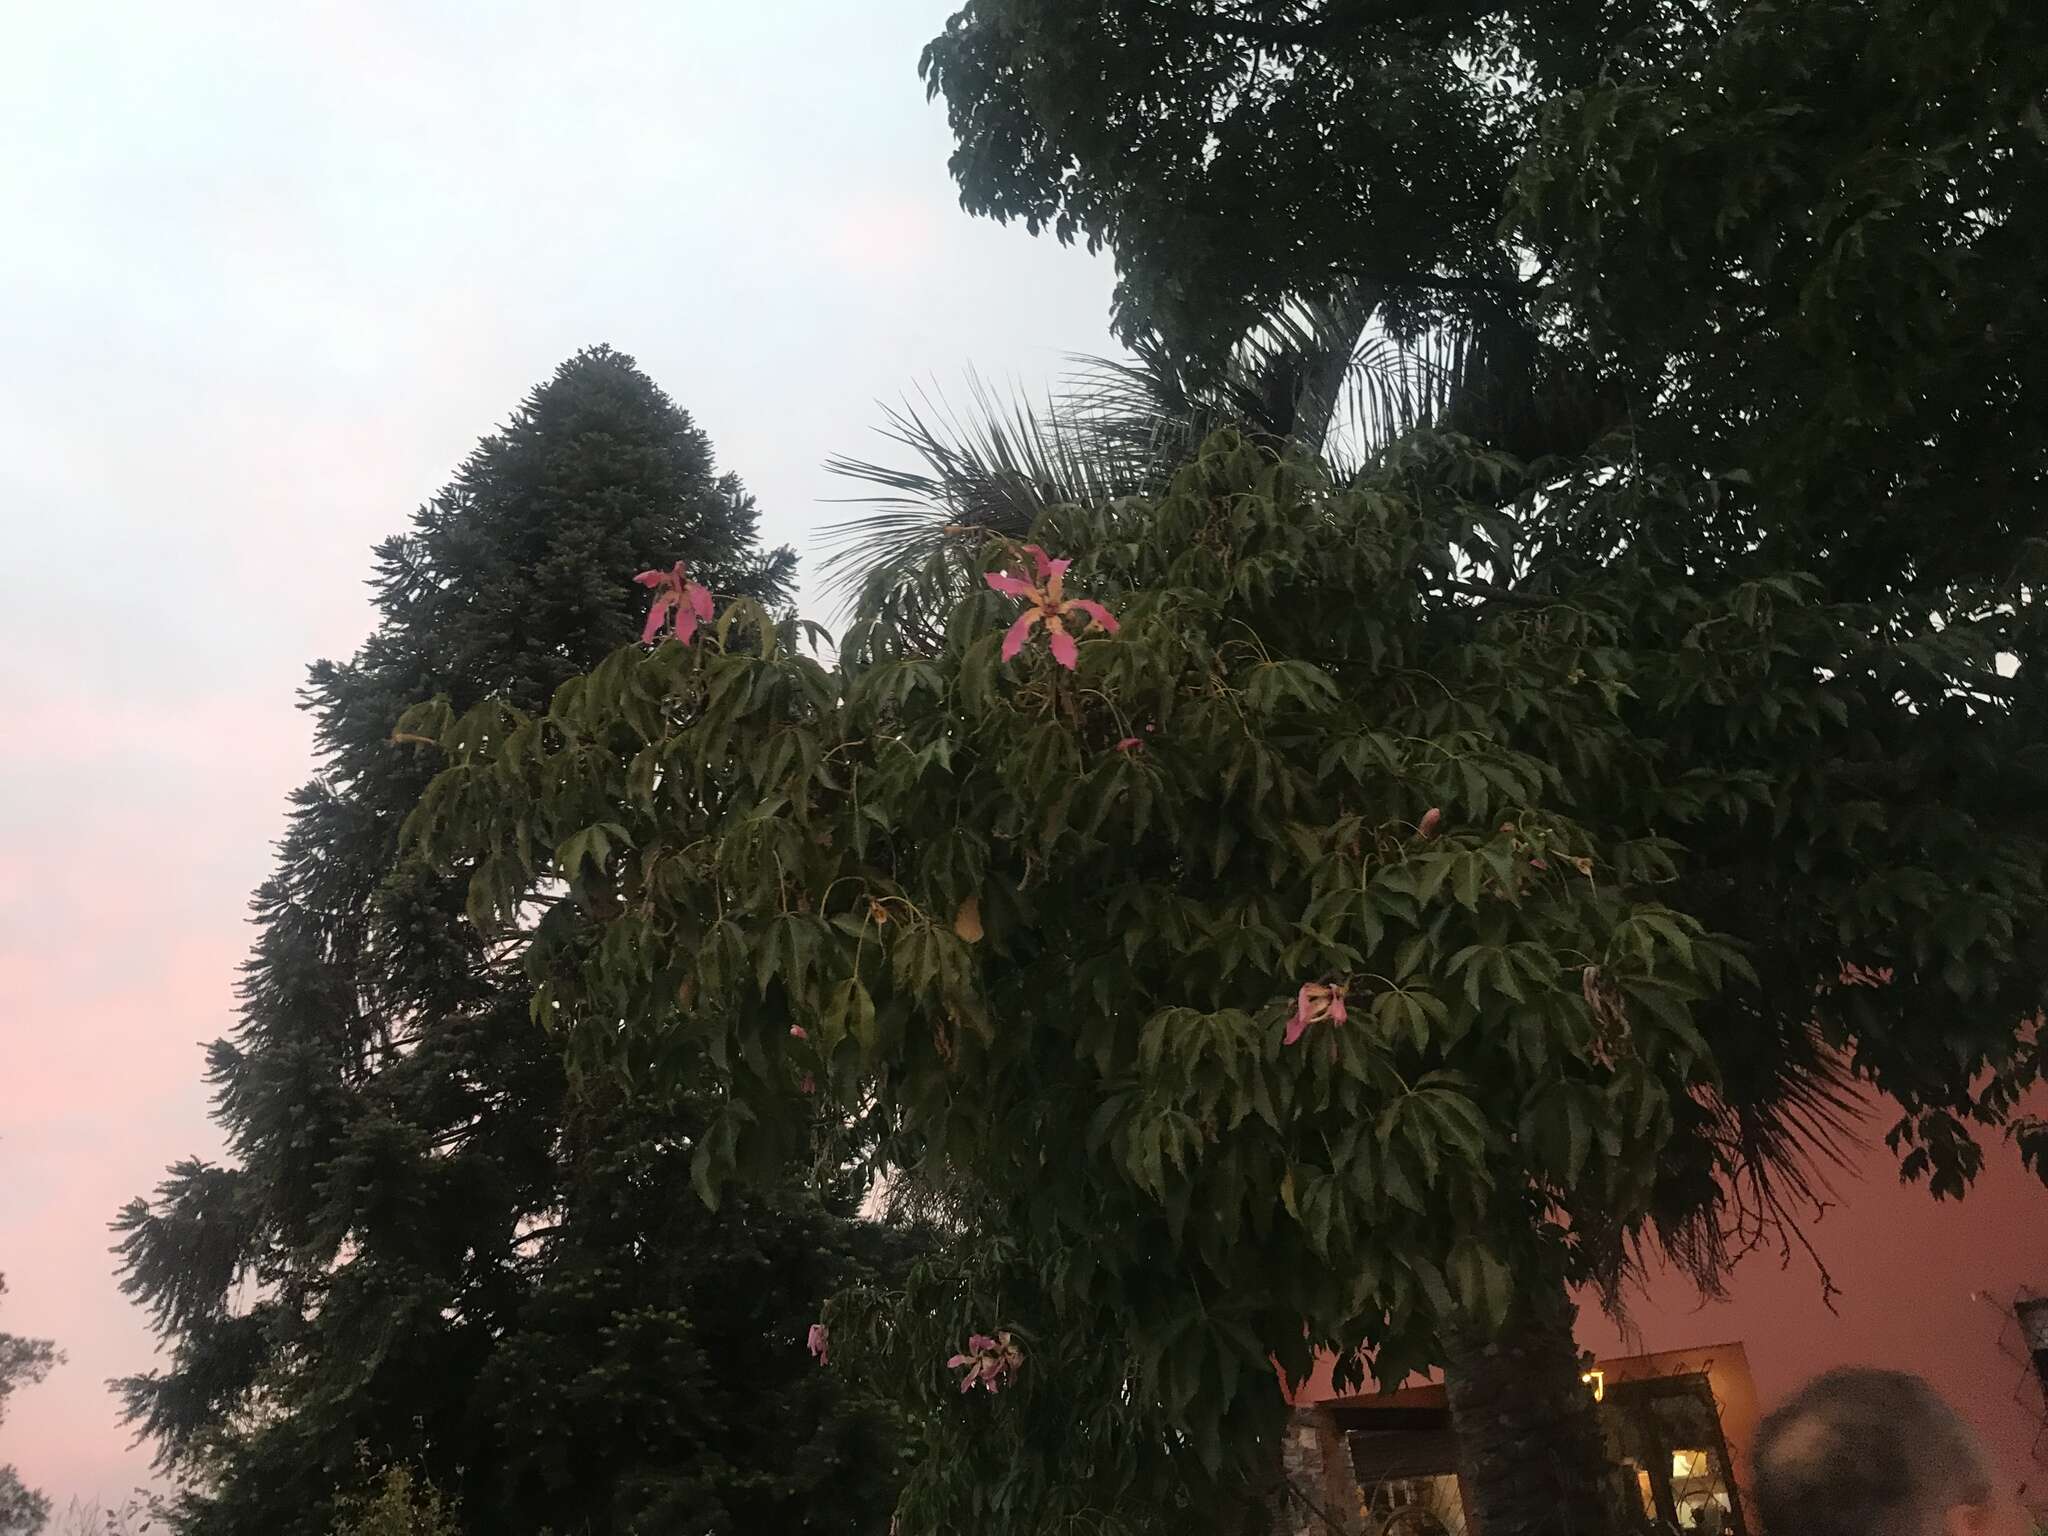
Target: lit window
{"x":1645,"y":1491}
{"x":1687,"y":1465}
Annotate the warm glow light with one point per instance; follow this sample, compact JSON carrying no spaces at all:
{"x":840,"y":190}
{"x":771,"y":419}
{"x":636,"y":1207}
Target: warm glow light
{"x":1646,"y":1493}
{"x":1597,"y":1380}
{"x":1687,"y":1465}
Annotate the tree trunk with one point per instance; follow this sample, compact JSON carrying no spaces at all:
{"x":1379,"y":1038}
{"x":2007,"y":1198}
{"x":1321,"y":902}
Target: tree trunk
{"x":1531,"y":1453}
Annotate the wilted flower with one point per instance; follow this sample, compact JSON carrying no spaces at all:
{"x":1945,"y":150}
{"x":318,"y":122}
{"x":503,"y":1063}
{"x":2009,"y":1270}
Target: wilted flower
{"x":1050,"y":604}
{"x":674,"y":594}
{"x":1316,"y":1002}
{"x":990,"y":1362}
{"x":1605,"y":1001}
{"x":820,"y":1341}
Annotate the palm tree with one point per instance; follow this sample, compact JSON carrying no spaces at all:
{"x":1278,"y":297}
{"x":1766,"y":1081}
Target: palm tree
{"x":1749,"y":1162}
{"x":1312,"y":374}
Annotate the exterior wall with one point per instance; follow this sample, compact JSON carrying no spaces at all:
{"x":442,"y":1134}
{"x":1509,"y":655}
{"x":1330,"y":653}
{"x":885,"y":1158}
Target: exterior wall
{"x":1725,"y":1366}
{"x":1922,"y":1286}
{"x":1320,"y":1496}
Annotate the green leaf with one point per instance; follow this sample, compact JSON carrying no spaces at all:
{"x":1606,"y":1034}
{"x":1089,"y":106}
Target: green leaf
{"x":1465,"y":883}
{"x":850,"y":1012}
{"x":704,"y":1174}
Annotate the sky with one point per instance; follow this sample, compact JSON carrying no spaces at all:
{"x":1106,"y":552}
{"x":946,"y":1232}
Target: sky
{"x":267,"y":273}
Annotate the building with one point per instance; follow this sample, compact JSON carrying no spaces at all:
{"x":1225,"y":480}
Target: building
{"x":1956,"y":1292}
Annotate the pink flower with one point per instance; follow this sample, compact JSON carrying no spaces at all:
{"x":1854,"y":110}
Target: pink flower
{"x":820,"y":1341}
{"x":675,"y":595}
{"x":1129,"y":742}
{"x":1316,"y":1002}
{"x":990,"y":1362}
{"x":798,"y":1032}
{"x":1432,"y":819}
{"x":1049,"y":604}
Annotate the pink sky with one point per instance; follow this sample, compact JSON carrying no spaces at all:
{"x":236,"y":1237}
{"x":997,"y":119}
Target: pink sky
{"x":269,"y":273}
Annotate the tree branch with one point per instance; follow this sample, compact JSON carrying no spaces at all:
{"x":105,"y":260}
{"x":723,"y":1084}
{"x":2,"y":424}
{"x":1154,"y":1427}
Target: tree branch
{"x":1515,"y":288}
{"x":1342,"y":16}
{"x":1498,"y":594}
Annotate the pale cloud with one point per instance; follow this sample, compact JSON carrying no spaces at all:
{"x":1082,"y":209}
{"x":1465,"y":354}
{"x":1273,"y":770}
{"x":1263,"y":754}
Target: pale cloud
{"x":898,"y":239}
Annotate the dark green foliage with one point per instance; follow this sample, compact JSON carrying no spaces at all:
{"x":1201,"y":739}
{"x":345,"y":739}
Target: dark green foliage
{"x":429,"y":1250}
{"x":1232,"y":156}
{"x":1239,"y":154}
{"x":1787,"y":252}
{"x":1050,"y":925}
{"x":1790,"y":250}
{"x":1245,"y":160}
{"x":1714,"y":637}
{"x":396,"y":1505}
{"x":1810,"y":246}
{"x":1788,"y":246}
{"x":23,"y":1363}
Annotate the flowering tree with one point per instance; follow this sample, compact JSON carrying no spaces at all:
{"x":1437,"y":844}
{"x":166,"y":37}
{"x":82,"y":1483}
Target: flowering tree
{"x":1303,"y":956}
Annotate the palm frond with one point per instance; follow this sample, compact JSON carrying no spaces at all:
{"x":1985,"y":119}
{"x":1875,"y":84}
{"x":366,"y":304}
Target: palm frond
{"x":1750,"y":1167}
{"x":992,"y":469}
{"x":1313,"y":373}
{"x":1391,"y":389}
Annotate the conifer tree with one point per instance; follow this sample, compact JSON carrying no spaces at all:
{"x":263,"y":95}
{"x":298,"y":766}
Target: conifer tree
{"x":23,"y":1363}
{"x":430,"y":1249}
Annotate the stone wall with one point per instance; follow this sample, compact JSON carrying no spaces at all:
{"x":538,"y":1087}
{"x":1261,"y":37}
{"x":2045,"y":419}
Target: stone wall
{"x":1319,"y":1493}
